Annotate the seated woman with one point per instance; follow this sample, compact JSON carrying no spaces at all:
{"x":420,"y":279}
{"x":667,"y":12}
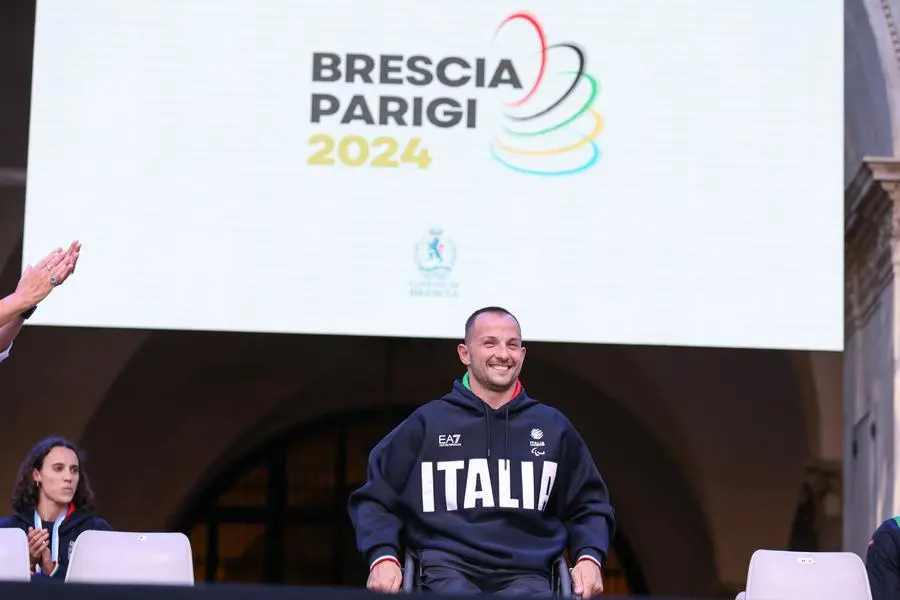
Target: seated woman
{"x":53,"y":504}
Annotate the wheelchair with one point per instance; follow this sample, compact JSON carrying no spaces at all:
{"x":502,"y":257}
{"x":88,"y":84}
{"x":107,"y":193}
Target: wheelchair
{"x":560,"y":576}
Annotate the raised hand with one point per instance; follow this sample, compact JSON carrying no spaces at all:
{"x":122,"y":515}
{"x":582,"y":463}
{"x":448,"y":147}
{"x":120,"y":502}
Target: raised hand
{"x":39,"y":280}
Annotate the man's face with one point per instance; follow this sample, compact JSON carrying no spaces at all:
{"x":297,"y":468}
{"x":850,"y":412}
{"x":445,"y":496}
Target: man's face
{"x":493,"y":351}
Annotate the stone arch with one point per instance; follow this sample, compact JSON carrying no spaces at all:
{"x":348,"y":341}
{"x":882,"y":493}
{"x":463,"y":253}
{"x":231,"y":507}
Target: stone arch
{"x":812,"y":409}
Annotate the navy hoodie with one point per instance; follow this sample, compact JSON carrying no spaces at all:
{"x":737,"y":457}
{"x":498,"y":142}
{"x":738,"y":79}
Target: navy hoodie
{"x":77,"y":521}
{"x":883,"y":561}
{"x":508,"y":488}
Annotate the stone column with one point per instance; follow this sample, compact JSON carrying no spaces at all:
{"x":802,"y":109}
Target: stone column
{"x":872,"y":348}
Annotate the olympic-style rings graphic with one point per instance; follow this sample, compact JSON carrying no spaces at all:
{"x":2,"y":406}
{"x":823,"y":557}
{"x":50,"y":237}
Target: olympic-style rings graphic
{"x":515,"y":122}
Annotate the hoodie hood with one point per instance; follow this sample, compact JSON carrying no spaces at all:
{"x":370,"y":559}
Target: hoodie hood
{"x":462,"y":397}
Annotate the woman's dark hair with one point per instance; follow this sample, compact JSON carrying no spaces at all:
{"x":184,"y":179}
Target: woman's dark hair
{"x":25,"y":492}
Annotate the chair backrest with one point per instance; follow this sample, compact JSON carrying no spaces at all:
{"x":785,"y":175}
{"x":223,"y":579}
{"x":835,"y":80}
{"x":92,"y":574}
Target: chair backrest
{"x":781,"y":575}
{"x":15,"y":564}
{"x":136,"y":558}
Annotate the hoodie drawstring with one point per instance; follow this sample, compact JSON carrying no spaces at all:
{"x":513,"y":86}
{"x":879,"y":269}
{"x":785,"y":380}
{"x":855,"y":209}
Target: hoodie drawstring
{"x":487,"y":423}
{"x":487,"y":418}
{"x":506,"y":439}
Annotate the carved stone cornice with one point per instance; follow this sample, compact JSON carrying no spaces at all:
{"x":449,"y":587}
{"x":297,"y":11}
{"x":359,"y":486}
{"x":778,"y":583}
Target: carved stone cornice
{"x":872,"y":237}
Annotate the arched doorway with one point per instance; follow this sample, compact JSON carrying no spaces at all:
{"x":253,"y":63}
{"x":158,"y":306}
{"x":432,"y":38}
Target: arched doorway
{"x":279,"y":515}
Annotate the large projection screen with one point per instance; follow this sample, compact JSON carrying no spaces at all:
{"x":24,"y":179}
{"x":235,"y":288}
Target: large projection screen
{"x":651,"y":172}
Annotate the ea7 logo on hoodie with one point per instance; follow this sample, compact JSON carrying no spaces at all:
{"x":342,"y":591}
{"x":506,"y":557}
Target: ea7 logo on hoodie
{"x":479,"y":488}
{"x":453,"y":440}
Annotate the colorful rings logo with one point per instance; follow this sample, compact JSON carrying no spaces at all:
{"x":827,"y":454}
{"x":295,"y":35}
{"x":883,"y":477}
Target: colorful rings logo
{"x":558,"y":138}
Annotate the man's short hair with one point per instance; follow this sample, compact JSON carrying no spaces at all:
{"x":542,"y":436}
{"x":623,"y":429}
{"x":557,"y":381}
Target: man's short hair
{"x":498,"y":310}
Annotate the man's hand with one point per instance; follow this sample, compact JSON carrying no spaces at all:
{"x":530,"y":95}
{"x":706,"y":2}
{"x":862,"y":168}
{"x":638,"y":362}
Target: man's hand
{"x":586,"y":579}
{"x":385,"y":577}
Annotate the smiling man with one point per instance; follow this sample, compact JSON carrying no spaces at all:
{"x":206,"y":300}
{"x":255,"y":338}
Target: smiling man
{"x":488,"y":485}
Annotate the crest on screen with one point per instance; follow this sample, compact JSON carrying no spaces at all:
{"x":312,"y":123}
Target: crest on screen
{"x":435,"y":258}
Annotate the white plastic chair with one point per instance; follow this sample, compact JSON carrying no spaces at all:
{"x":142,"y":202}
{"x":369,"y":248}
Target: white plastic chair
{"x":15,"y":564}
{"x":132,"y":558}
{"x":781,"y":575}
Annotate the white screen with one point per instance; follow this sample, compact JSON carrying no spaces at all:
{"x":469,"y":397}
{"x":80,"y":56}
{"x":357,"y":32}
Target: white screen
{"x":174,"y":139}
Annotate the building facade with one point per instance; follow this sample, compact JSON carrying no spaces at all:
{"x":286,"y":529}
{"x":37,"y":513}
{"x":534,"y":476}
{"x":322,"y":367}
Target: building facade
{"x":872,"y":193}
